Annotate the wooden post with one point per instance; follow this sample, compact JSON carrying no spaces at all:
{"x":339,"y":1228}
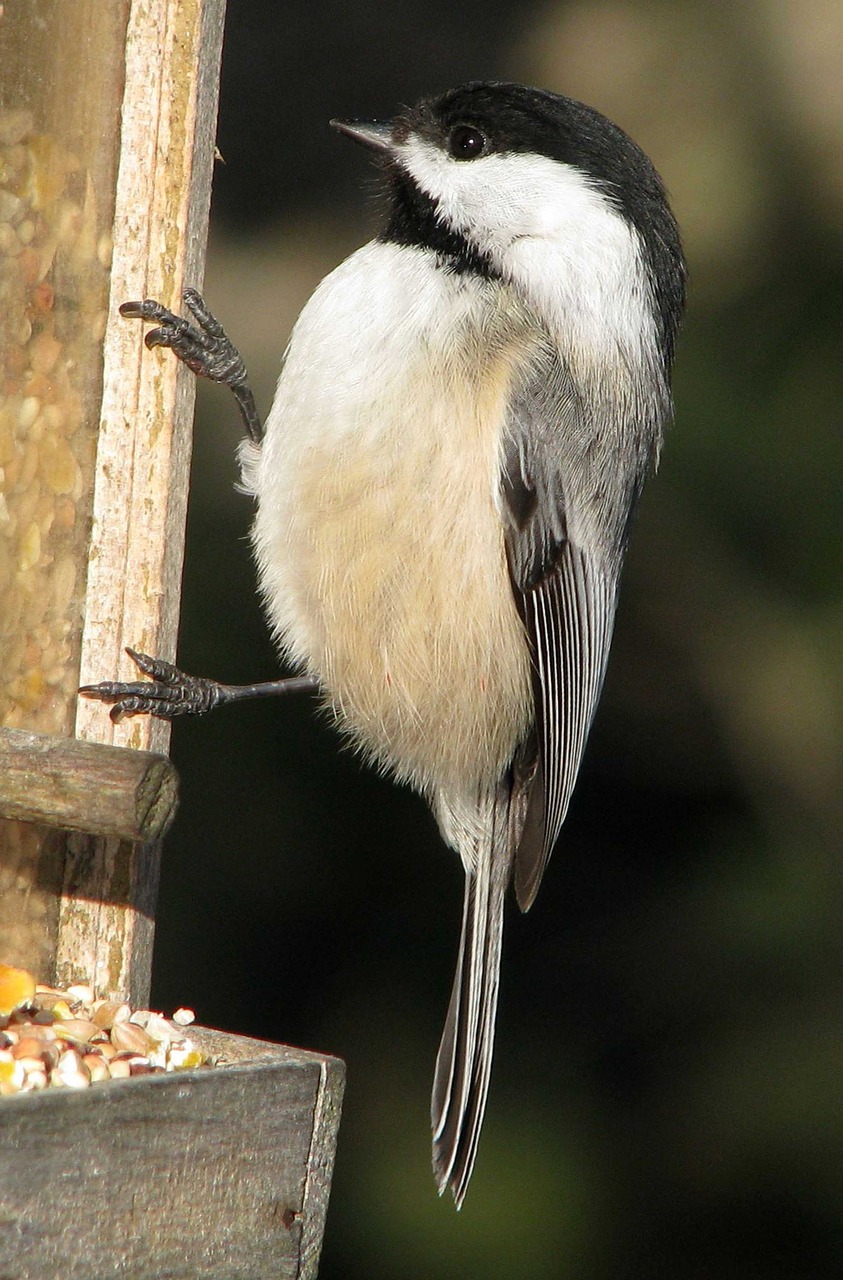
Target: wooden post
{"x":107,"y":125}
{"x":107,"y":121}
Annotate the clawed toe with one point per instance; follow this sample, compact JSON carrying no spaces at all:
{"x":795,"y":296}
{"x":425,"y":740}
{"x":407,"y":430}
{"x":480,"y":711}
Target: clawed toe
{"x":168,"y":693}
{"x":205,"y":348}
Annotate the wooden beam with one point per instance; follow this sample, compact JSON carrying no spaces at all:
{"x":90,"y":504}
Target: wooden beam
{"x":173,"y":50}
{"x":110,"y":115}
{"x":86,"y":786}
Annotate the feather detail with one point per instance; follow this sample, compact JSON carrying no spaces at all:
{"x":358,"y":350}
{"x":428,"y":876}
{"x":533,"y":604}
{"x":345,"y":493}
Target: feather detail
{"x":569,"y":618}
{"x":463,"y":1064}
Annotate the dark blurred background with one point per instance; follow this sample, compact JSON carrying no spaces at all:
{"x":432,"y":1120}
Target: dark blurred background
{"x":666,"y":1099}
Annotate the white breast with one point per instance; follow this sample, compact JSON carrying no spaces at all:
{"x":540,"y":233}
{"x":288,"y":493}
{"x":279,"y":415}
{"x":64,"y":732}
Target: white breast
{"x":379,"y":545}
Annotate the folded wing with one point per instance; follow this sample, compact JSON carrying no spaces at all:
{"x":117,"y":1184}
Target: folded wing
{"x":564,"y":556}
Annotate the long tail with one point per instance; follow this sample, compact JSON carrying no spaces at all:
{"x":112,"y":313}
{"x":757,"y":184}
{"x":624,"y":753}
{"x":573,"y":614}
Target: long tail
{"x":463,"y":1065}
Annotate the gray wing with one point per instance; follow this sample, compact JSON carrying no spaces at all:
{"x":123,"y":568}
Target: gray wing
{"x":567,"y":507}
{"x":568,"y":486}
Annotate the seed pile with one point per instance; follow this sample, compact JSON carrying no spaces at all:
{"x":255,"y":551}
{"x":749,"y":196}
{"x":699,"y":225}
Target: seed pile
{"x":52,"y":1038}
{"x":54,"y":259}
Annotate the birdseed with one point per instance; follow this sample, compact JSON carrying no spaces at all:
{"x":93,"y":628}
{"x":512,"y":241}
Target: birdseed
{"x":66,"y":1039}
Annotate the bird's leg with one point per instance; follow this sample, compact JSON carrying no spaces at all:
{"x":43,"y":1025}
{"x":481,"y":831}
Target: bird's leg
{"x":204,"y":347}
{"x":170,"y":692}
{"x":207,"y":351}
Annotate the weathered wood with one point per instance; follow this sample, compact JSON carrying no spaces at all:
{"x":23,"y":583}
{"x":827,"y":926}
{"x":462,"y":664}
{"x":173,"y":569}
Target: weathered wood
{"x":61,"y":88}
{"x":114,"y":106}
{"x":216,"y":1174}
{"x":86,"y":786}
{"x":173,"y":50}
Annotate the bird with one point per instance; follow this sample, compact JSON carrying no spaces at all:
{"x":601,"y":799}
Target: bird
{"x":445,"y":484}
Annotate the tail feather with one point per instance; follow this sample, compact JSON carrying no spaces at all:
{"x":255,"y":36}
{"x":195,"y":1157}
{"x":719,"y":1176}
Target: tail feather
{"x":463,"y":1065}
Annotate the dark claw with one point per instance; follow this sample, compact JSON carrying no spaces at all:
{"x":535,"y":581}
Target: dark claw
{"x":158,"y":669}
{"x":198,"y":307}
{"x":169,"y":692}
{"x":207,"y":349}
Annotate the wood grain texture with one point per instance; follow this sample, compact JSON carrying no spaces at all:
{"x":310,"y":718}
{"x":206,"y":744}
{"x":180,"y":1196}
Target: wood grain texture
{"x":62,"y":67}
{"x":200,"y":1175}
{"x":86,"y":786}
{"x":173,"y":50}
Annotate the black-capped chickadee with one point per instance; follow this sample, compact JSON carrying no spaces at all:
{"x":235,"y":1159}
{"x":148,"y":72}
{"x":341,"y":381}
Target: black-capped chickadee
{"x":467,"y":412}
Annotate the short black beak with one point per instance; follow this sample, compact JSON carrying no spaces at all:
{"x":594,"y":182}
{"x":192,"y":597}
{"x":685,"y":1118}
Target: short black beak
{"x":375,"y":136}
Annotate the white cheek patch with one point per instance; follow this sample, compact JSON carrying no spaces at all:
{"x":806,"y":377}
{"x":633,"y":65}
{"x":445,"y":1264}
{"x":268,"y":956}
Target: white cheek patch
{"x":546,"y":227}
{"x":480,"y":196}
{"x":503,"y":197}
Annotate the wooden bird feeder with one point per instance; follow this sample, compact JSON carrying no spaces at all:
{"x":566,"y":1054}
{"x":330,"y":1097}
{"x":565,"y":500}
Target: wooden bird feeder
{"x":107,"y":125}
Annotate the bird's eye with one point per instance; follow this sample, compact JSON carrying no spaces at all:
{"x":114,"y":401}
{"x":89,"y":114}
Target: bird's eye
{"x":465,"y":142}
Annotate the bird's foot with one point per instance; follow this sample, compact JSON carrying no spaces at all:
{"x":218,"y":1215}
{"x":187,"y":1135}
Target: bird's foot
{"x":169,"y":692}
{"x":204,"y":347}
